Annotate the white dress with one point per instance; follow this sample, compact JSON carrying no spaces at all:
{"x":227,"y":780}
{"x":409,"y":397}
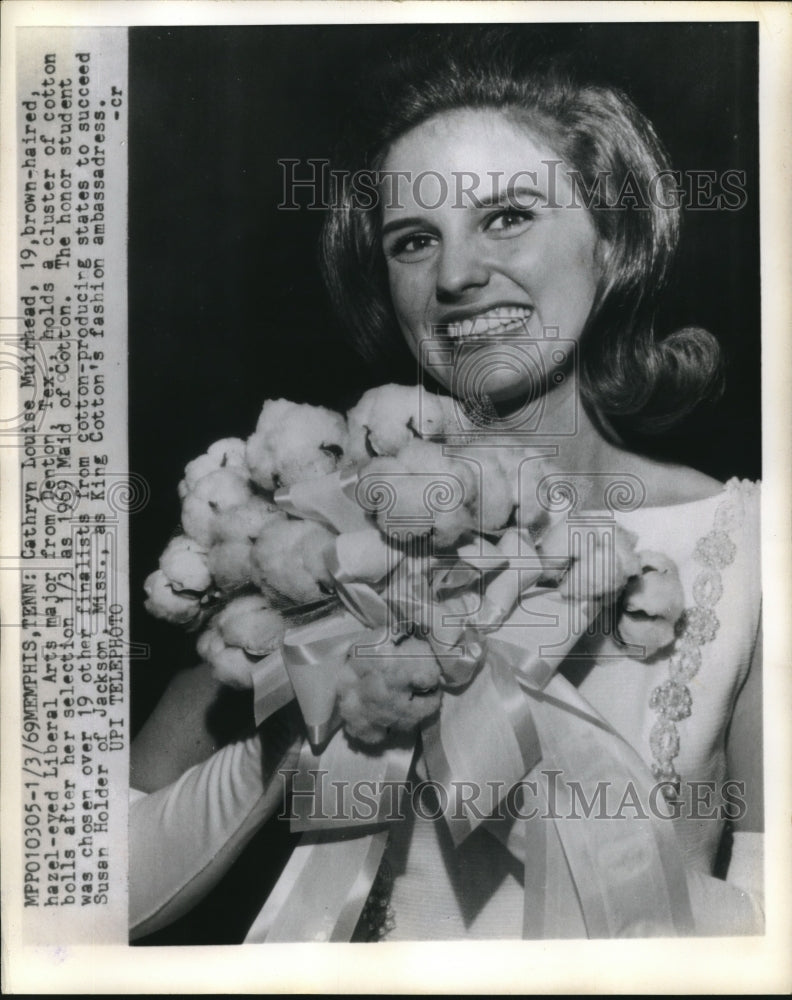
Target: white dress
{"x":476,"y":890}
{"x":674,"y":710}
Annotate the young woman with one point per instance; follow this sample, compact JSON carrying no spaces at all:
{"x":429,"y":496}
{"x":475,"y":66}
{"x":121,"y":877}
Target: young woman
{"x":521,"y":234}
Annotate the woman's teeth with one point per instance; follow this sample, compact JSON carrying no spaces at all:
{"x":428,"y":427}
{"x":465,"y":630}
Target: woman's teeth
{"x":490,"y":323}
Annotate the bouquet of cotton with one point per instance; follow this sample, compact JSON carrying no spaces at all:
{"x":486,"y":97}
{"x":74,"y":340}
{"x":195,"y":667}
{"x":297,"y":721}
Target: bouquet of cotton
{"x":310,"y":521}
{"x":228,"y":504}
{"x":414,"y":591}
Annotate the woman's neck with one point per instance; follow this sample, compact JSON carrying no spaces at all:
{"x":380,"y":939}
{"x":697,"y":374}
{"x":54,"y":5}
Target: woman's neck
{"x":560,"y":423}
{"x":576,"y":444}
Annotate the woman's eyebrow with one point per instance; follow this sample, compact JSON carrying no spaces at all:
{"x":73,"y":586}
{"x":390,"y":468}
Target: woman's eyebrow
{"x":513,"y":195}
{"x":522,"y":197}
{"x":397,"y":224}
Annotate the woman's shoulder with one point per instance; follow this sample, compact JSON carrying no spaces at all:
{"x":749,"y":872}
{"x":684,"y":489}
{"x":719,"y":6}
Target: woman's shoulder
{"x":666,"y":484}
{"x":681,"y":501}
{"x":669,"y":485}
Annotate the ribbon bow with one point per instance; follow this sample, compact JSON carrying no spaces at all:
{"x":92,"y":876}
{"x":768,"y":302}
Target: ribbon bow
{"x":505,"y":710}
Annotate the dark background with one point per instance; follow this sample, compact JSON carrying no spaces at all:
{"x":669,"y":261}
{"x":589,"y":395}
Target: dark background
{"x":226,"y":306}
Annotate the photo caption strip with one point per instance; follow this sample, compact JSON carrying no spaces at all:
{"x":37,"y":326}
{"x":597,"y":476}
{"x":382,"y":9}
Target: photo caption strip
{"x":68,"y":440}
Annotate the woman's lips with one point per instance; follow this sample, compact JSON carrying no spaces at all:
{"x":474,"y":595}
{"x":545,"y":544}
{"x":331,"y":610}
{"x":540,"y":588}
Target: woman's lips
{"x":493,"y":322}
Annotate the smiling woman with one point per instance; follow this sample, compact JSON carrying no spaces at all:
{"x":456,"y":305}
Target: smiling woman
{"x":520,"y":245}
{"x":560,"y":280}
{"x":510,"y":265}
{"x":594,"y":162}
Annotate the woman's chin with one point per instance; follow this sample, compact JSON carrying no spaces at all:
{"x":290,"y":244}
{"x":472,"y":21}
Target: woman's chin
{"x":503,"y":394}
{"x":502,"y":372}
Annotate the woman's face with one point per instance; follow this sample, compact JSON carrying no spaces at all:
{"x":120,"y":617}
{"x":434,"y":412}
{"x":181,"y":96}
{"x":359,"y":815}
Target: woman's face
{"x":492,"y":262}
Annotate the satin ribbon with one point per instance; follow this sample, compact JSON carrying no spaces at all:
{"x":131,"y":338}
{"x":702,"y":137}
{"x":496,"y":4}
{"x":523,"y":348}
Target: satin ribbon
{"x":508,"y":711}
{"x":322,"y":891}
{"x":307,"y":668}
{"x":329,"y":500}
{"x":614,"y":866}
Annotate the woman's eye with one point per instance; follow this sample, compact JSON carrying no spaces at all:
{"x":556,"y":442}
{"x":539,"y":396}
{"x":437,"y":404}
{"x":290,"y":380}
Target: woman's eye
{"x":413,"y":246}
{"x":510,"y":221}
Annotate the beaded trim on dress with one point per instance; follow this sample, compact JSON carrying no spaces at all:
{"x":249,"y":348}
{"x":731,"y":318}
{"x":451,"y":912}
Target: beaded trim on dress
{"x":672,"y":700}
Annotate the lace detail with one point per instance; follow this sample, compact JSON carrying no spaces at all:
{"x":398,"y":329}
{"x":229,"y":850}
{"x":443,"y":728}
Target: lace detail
{"x":377,"y":919}
{"x":672,"y":700}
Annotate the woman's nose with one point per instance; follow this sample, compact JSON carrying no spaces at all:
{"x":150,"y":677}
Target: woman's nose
{"x":460,"y":269}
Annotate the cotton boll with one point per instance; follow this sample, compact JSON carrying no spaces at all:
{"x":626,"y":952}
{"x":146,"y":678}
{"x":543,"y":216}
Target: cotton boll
{"x":437,"y":491}
{"x":451,"y":527}
{"x":244,"y":632}
{"x":230,"y":664}
{"x":454,"y":495}
{"x":227,"y":453}
{"x":497,"y":494}
{"x":250,"y":623}
{"x":231,"y":565}
{"x":295,"y":442}
{"x":163,"y":602}
{"x":603,"y":561}
{"x":652,"y":603}
{"x":223,"y":489}
{"x":398,"y":496}
{"x":288,"y":556}
{"x":387,"y":418}
{"x":184,"y":564}
{"x":657,"y":589}
{"x":391,"y":692}
{"x":215,"y":493}
{"x":245,"y":522}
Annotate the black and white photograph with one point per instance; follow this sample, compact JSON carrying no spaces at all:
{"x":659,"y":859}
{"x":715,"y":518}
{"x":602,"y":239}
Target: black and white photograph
{"x":397,"y":495}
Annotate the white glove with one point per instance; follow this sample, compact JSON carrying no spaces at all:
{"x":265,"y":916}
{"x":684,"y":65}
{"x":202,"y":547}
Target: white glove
{"x":183,"y":838}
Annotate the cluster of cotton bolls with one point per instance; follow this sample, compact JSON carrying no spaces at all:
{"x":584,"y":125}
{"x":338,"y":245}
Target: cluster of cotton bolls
{"x":246,"y":564}
{"x":451,"y":498}
{"x":241,"y":562}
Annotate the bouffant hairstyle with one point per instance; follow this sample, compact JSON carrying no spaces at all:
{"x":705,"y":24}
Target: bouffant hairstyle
{"x":623,"y":171}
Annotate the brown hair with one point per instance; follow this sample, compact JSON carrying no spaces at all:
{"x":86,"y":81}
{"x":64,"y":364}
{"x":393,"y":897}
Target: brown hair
{"x":613,"y":149}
